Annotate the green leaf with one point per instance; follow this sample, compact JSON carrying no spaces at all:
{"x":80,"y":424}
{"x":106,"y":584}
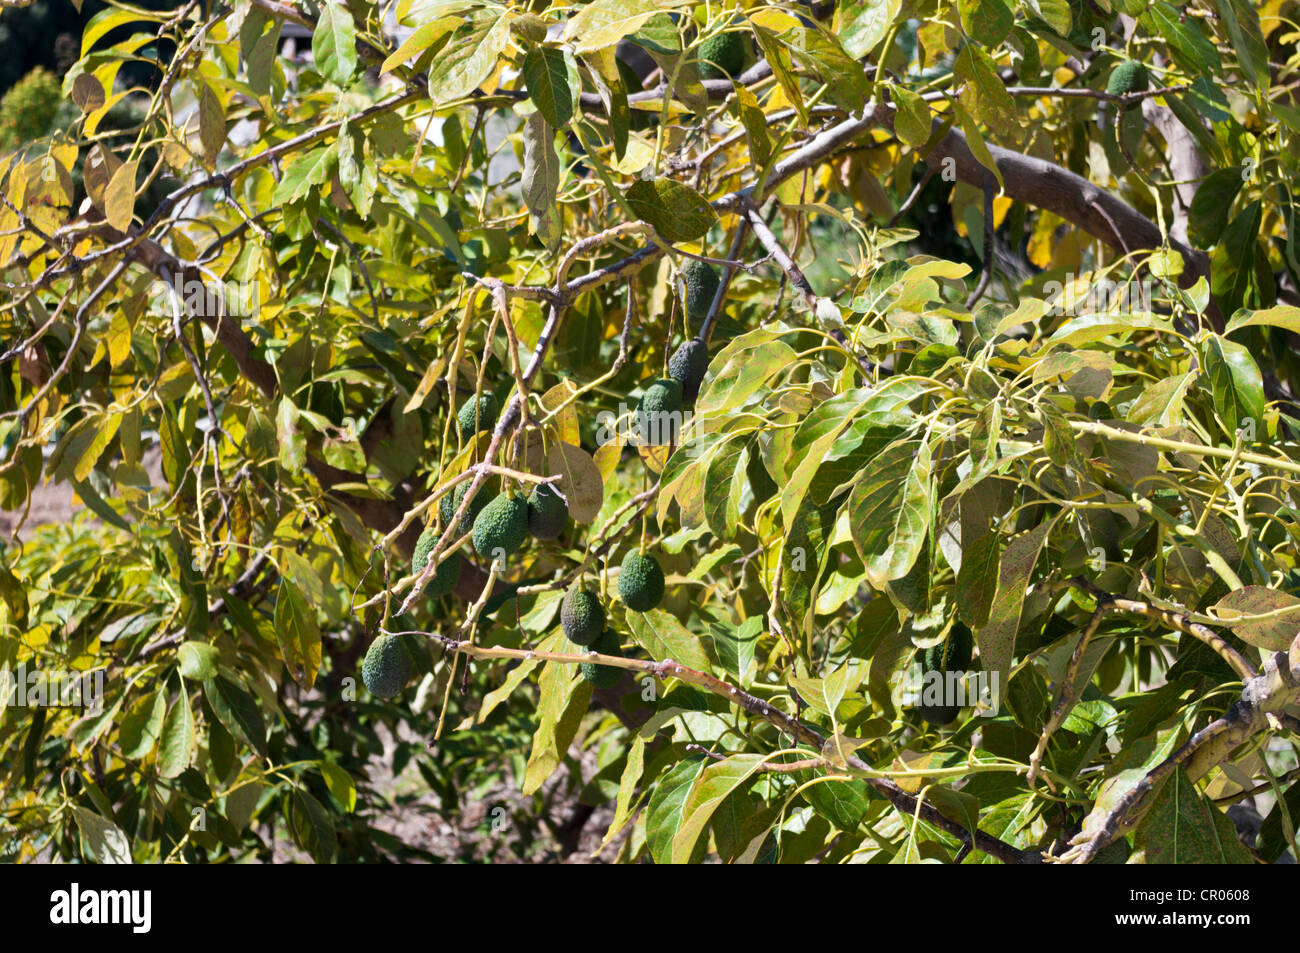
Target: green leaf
{"x":563,"y":695}
{"x":237,"y":710}
{"x":665,"y":810}
{"x":298,"y":633}
{"x":1242,"y":22}
{"x":312,"y":827}
{"x":734,"y":645}
{"x":212,"y":123}
{"x":837,"y":437}
{"x":1236,"y":278}
{"x":104,"y":840}
{"x":978,"y":579}
{"x":176,"y":749}
{"x":677,"y":211}
{"x":975,"y":140}
{"x":293,"y":442}
{"x":911,"y":117}
{"x":891,"y":509}
{"x":1189,"y":47}
{"x":305,"y":174}
{"x":1274,"y":634}
{"x":547,"y":79}
{"x":843,"y":803}
{"x":541,"y":180}
{"x":988,"y":21}
{"x":334,"y":42}
{"x":627,"y":784}
{"x":1161,"y":404}
{"x":1181,"y":827}
{"x":197,"y":660}
{"x":861,"y":24}
{"x":984,"y":93}
{"x":1055,"y":13}
{"x":1236,"y":383}
{"x":340,"y":785}
{"x":715,"y":783}
{"x":605,"y":22}
{"x":740,"y":369}
{"x":143,"y":725}
{"x":428,"y":35}
{"x":997,"y":640}
{"x":745,"y":106}
{"x":1280,"y":316}
{"x":1211,"y":206}
{"x":663,"y":637}
{"x":467,"y":62}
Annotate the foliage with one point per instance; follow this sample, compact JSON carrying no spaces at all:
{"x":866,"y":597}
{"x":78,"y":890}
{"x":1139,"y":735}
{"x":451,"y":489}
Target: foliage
{"x":28,"y":108}
{"x":1066,"y":427}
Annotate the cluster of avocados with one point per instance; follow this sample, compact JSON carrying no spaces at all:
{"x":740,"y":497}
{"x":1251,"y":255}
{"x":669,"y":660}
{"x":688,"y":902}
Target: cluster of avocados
{"x":690,"y":362}
{"x":582,"y":615}
{"x":501,"y":521}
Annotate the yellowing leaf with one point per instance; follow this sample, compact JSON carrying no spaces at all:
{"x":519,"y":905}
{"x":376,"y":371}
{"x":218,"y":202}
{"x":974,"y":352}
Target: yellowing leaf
{"x":119,"y":196}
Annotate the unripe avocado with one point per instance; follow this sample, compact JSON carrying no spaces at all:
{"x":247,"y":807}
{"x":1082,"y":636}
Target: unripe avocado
{"x":502,"y":524}
{"x":386,"y":667}
{"x":687,"y":366}
{"x":640,"y":582}
{"x":722,"y":56}
{"x":952,"y":655}
{"x":582,"y":616}
{"x":701,"y":285}
{"x":961,"y":649}
{"x":603,"y":676}
{"x":547,"y":512}
{"x":470,"y":423}
{"x":1128,"y":77}
{"x":450,"y":503}
{"x":448,"y":571}
{"x":664,"y":396}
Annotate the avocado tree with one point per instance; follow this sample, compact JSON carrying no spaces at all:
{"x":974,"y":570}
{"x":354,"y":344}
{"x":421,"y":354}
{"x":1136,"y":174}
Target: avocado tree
{"x":774,"y":433}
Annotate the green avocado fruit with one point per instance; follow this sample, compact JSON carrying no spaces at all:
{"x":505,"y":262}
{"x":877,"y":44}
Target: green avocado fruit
{"x":701,"y":282}
{"x":450,"y":503}
{"x":548,"y":514}
{"x":687,"y":366}
{"x":952,"y":655}
{"x":640,"y":582}
{"x":723,"y":56}
{"x":446,"y":575}
{"x":1128,"y":77}
{"x":582,"y":616}
{"x":664,"y":396}
{"x":603,"y":676}
{"x":501,"y":525}
{"x":386,"y":667}
{"x":486,"y":417}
